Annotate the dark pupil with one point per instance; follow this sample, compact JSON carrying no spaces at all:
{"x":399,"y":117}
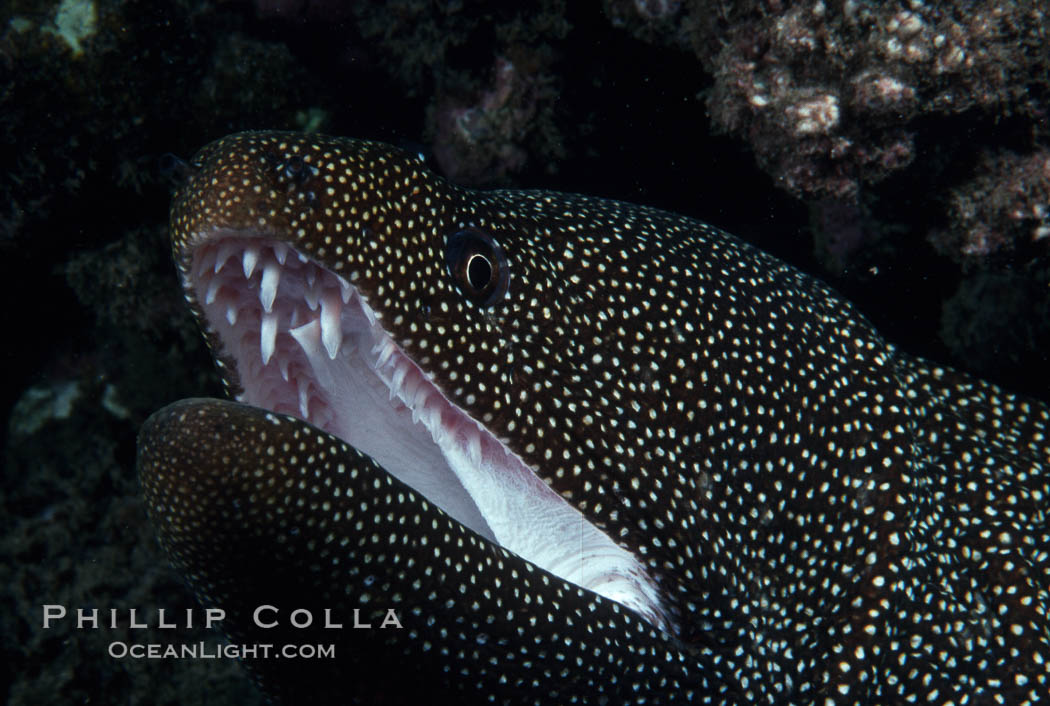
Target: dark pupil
{"x":479,"y":271}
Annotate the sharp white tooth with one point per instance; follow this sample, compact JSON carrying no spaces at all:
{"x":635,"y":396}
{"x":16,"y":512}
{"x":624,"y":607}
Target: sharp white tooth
{"x":268,"y":337}
{"x":302,"y":258}
{"x":410,"y":389}
{"x":280,"y":251}
{"x":268,"y":290}
{"x":345,"y":291}
{"x":308,"y":336}
{"x":304,"y":398}
{"x":226,"y":251}
{"x":250,"y":260}
{"x":213,"y":291}
{"x":385,"y":351}
{"x":283,"y":364}
{"x":207,"y":262}
{"x":369,"y":314}
{"x":419,"y":408}
{"x":434,"y":422}
{"x":331,"y":326}
{"x":231,"y":314}
{"x":398,"y":378}
{"x":311,"y":298}
{"x":295,"y":318}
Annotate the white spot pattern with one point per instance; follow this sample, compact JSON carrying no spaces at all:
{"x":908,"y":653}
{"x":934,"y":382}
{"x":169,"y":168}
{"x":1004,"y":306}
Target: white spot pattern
{"x":834,"y":521}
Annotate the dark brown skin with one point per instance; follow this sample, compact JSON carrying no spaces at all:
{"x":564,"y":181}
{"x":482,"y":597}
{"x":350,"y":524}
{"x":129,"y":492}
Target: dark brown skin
{"x":830,"y":520}
{"x":244,"y":543}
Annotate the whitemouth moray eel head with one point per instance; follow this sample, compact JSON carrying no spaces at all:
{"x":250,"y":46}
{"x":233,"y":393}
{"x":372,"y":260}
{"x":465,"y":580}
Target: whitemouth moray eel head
{"x":590,"y":452}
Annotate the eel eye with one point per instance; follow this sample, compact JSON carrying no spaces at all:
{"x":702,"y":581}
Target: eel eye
{"x":478,"y":266}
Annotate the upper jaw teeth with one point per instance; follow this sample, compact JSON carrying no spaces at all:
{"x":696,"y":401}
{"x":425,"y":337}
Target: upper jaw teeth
{"x":306,"y":316}
{"x":268,"y":336}
{"x":331,"y":333}
{"x":299,"y":305}
{"x":268,"y":288}
{"x":385,"y":348}
{"x":328,"y":293}
{"x":249,"y":261}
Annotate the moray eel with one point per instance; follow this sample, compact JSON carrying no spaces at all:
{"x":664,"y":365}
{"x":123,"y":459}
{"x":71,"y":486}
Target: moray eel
{"x":584,"y":451}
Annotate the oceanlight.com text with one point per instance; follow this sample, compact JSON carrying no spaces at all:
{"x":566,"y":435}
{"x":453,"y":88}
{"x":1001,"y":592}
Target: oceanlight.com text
{"x":212,"y":650}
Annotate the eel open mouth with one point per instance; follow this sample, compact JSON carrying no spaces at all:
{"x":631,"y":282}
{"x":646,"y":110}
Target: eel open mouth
{"x":304,"y":341}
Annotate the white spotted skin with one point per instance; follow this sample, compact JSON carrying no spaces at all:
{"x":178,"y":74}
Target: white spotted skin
{"x":831,"y":520}
{"x":259,"y":509}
